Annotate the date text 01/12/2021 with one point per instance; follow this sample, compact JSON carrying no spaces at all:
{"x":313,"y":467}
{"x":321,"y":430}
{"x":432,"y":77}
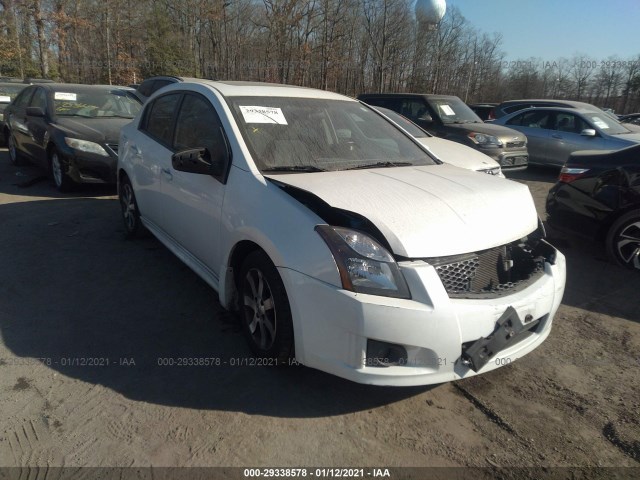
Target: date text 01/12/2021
{"x":223,"y":362}
{"x":316,"y":472}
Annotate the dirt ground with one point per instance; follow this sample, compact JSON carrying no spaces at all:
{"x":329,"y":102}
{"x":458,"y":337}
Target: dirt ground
{"x":71,"y":288}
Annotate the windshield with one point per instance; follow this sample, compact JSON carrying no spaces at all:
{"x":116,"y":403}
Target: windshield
{"x":9,"y":92}
{"x":95,"y":103}
{"x":404,"y":122}
{"x":453,"y":110}
{"x":606,"y":123}
{"x":312,"y":134}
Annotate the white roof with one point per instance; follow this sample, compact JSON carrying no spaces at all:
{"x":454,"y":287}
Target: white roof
{"x":260,"y":89}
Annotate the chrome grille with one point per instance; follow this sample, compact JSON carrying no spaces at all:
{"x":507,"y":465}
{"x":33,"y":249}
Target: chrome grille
{"x":457,"y":276}
{"x":114,"y":147}
{"x":519,"y":144}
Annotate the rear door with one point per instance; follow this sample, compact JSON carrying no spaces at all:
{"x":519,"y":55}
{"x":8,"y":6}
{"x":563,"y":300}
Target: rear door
{"x":151,"y":152}
{"x":35,"y":144}
{"x":17,"y":120}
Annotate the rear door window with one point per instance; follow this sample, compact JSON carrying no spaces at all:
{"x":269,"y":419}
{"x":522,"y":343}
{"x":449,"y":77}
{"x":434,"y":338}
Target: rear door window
{"x":533,"y":119}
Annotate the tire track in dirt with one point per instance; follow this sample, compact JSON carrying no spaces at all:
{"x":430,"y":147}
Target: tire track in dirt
{"x":490,"y":413}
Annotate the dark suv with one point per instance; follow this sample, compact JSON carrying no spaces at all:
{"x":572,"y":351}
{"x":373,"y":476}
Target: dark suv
{"x":448,"y":117}
{"x":150,"y":85}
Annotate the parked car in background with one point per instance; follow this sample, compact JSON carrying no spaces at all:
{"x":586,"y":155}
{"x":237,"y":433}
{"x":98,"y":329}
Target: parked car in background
{"x":152,"y":84}
{"x":70,"y":130}
{"x":8,"y":91}
{"x":598,"y":196}
{"x":512,"y":106}
{"x":632,"y":118}
{"x":483,"y":110}
{"x":554,"y":133}
{"x":445,"y":150}
{"x":340,"y":241}
{"x":448,"y":117}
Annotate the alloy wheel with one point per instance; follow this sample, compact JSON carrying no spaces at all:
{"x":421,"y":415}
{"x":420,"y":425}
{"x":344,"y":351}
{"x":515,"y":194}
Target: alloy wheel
{"x":259,"y":306}
{"x":13,"y":153}
{"x":628,"y":245}
{"x":128,"y":207}
{"x":56,"y":169}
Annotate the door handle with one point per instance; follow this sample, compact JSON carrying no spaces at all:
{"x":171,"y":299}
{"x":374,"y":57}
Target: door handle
{"x":555,"y":135}
{"x":167,"y":173}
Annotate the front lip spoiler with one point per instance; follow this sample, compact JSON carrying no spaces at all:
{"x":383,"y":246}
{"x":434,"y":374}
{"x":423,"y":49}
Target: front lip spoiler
{"x":509,"y":330}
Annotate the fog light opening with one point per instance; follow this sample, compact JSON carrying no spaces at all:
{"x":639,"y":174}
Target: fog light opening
{"x":383,"y":354}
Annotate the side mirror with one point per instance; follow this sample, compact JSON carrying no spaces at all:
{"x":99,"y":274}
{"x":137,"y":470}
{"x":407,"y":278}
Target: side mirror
{"x":426,"y":118}
{"x":199,"y":161}
{"x":35,"y":112}
{"x":588,"y":132}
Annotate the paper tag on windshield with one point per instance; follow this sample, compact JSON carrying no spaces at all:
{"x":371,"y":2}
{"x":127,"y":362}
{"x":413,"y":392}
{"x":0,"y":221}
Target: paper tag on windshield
{"x":255,"y":114}
{"x":65,"y":96}
{"x":447,"y":110}
{"x":5,"y":99}
{"x":600,"y":123}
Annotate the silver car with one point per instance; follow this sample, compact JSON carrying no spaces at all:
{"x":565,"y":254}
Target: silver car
{"x":554,"y":133}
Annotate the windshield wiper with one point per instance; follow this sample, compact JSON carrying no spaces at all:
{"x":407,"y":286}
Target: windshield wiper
{"x":294,"y":168}
{"x":73,"y":115}
{"x":381,"y":165}
{"x":114,"y":116}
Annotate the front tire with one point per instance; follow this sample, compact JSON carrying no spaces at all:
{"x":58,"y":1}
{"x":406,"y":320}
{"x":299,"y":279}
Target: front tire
{"x":61,"y":179}
{"x":15,"y":158}
{"x":264,"y":309}
{"x":129,"y":208}
{"x":623,"y":241}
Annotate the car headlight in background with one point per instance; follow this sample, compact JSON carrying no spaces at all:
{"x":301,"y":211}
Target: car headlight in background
{"x":492,"y":171}
{"x":86,"y":146}
{"x":1,"y":117}
{"x":365,"y":266}
{"x":485,"y":140}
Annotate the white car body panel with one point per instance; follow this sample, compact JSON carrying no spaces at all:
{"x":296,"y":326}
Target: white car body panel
{"x":423,"y":212}
{"x":459,"y":155}
{"x":429,"y":211}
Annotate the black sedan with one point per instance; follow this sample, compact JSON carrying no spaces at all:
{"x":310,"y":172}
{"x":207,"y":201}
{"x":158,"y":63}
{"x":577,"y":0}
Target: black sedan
{"x":70,"y":130}
{"x":598,"y":196}
{"x":8,"y":91}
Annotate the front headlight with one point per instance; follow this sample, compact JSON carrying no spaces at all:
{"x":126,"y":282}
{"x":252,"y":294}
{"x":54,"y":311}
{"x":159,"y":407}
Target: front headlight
{"x":365,"y":266}
{"x":86,"y":146}
{"x":485,"y":140}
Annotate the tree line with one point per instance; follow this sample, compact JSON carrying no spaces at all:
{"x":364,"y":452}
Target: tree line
{"x":347,"y":46}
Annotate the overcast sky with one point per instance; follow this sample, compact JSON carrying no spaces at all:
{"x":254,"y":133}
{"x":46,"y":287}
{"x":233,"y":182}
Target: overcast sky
{"x":550,"y":29}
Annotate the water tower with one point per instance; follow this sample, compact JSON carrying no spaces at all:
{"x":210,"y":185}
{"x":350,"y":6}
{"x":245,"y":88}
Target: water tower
{"x":430,"y":12}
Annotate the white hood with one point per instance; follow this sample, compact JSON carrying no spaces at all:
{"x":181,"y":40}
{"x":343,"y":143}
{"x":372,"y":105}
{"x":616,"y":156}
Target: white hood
{"x":458,"y":154}
{"x":428,"y":211}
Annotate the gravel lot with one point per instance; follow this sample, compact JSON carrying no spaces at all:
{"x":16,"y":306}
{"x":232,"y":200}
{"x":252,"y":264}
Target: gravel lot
{"x":71,"y":289}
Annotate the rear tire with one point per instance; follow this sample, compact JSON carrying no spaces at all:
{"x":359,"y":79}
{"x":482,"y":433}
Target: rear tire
{"x":623,"y":241}
{"x":264,"y":309}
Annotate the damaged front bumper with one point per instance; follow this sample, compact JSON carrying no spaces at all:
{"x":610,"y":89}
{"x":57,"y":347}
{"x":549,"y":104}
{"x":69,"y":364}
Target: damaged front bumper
{"x":431,"y":338}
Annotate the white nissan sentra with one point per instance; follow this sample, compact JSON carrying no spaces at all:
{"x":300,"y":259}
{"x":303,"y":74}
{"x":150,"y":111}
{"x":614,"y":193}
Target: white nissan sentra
{"x":340,"y":241}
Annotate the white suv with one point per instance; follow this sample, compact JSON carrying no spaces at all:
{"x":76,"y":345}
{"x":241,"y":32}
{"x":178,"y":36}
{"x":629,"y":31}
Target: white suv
{"x":341,"y":242}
